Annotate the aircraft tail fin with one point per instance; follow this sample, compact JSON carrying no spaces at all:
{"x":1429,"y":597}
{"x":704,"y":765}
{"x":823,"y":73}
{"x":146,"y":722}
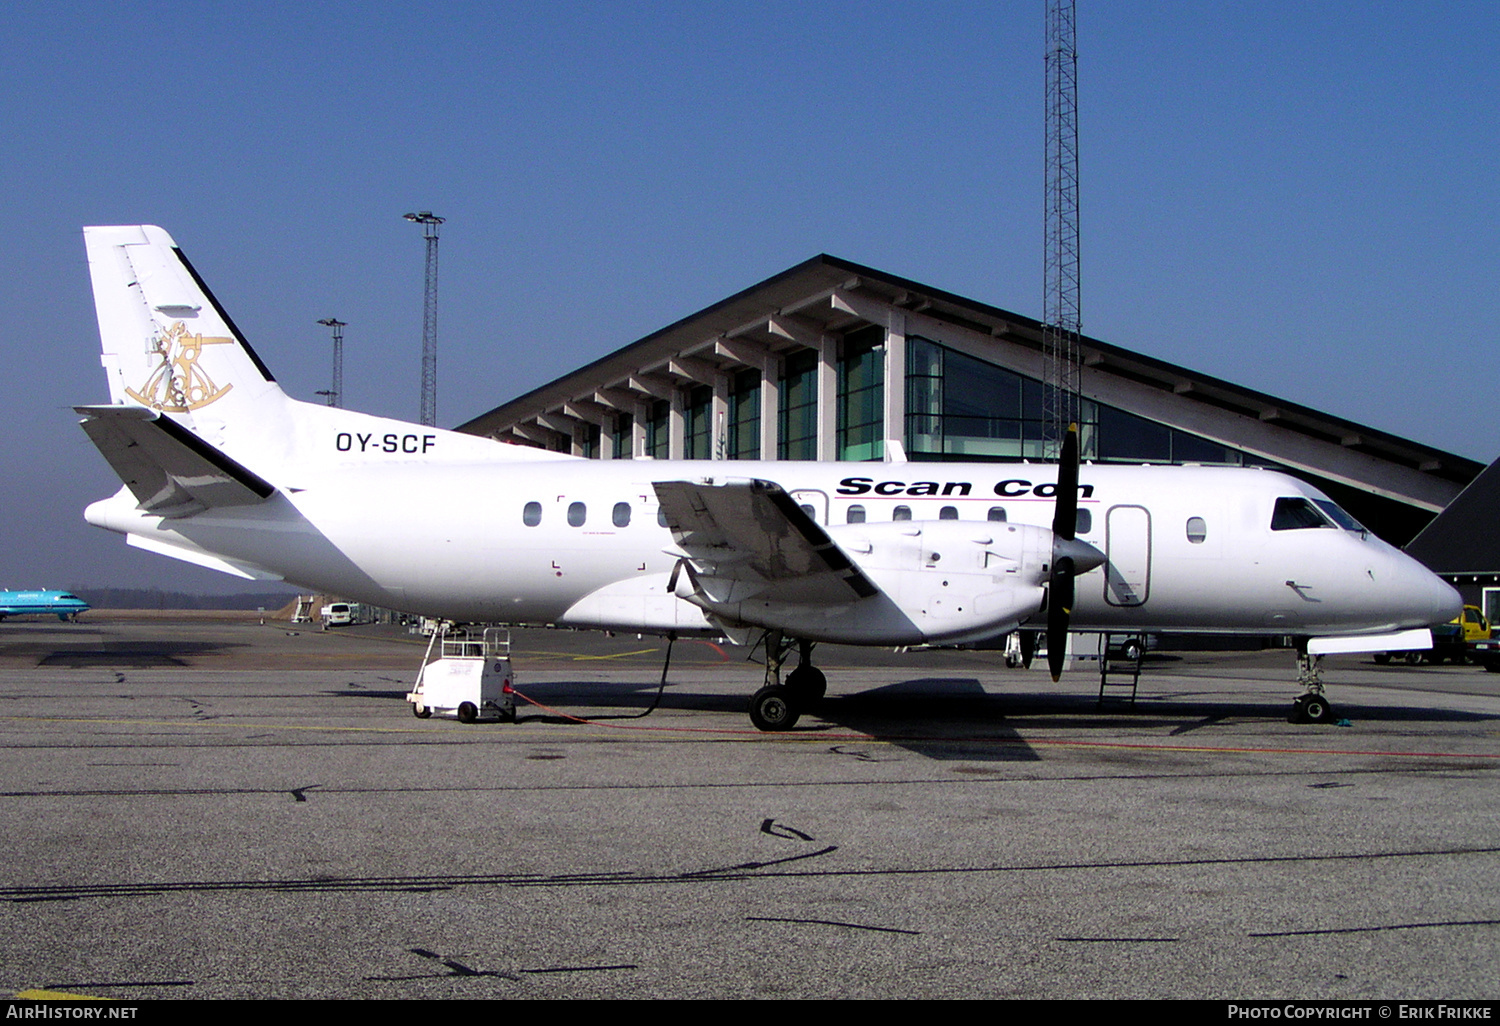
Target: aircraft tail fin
{"x":167,"y":343}
{"x":169,"y":347}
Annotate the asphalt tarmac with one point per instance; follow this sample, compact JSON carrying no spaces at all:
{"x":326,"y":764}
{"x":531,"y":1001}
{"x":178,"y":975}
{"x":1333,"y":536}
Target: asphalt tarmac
{"x":212,"y":808}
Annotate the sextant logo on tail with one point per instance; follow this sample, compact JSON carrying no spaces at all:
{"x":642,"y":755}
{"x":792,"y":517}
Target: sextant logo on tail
{"x":178,"y":384}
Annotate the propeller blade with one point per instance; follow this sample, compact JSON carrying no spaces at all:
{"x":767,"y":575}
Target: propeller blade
{"x":1064,"y":545}
{"x":1059,"y":611}
{"x":1065,"y":512}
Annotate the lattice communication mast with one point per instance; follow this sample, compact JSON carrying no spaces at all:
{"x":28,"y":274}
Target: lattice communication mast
{"x":1061,"y":323}
{"x":429,"y":222}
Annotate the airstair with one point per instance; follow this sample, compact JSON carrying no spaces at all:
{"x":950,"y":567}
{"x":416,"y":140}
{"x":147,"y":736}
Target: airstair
{"x":1120,"y":658}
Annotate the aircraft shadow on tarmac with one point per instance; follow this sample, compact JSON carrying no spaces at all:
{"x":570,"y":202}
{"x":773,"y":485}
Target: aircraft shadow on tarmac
{"x":943,"y":718}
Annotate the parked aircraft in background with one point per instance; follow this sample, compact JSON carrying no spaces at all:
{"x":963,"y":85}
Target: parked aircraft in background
{"x":223,"y":469}
{"x":61,"y":604}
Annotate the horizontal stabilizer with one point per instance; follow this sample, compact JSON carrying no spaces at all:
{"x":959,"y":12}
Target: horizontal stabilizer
{"x":198,"y":557}
{"x":171,"y":471}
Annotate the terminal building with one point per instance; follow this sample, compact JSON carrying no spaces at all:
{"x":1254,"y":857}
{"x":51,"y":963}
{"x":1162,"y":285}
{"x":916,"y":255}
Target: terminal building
{"x":832,"y":361}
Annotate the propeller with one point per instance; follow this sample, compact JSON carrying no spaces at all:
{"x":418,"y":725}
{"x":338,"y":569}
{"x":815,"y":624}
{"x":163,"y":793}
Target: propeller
{"x":1070,"y":557}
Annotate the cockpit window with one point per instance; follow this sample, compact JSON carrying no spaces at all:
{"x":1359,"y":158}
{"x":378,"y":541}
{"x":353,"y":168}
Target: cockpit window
{"x":1295,"y":514}
{"x":1339,"y":517}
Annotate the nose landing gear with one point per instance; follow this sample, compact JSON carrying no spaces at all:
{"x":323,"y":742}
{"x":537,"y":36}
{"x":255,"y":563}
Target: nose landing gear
{"x":1311,"y":706}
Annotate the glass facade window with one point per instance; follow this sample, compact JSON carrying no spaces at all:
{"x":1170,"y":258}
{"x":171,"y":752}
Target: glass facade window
{"x":960,"y":407}
{"x":624,"y":436}
{"x":798,"y":417}
{"x":658,"y":428}
{"x":744,"y":415}
{"x":861,"y":405}
{"x":593,"y":437}
{"x":698,"y":417}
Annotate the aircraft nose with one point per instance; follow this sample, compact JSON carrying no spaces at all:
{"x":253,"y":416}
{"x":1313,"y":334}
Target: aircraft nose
{"x":1432,"y":600}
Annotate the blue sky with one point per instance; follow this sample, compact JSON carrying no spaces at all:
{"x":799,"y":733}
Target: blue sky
{"x":1299,"y":198}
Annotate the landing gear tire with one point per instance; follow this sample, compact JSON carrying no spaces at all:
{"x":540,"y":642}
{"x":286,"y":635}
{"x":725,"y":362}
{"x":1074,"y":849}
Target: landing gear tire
{"x":773,"y":708}
{"x":1311,"y":709}
{"x":420,"y":711}
{"x":1131,"y":651}
{"x":807,"y":683}
{"x":1382,"y":657}
{"x":468,"y":713}
{"x":1413,"y":658}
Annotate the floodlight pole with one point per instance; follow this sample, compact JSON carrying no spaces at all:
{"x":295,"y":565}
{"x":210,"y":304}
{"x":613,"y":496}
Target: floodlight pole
{"x":429,"y":222}
{"x":336,"y":394}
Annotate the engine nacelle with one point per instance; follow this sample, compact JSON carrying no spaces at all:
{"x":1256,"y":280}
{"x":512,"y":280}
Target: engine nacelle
{"x":940,"y":581}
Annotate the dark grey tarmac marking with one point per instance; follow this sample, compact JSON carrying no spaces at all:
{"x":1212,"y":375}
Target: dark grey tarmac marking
{"x":1381,"y":929}
{"x":832,"y":922}
{"x":1118,"y":940}
{"x":746,"y":871}
{"x":769,"y":826}
{"x":971,"y":777}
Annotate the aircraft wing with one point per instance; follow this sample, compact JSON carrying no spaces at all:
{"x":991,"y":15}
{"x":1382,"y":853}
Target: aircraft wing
{"x":171,"y":471}
{"x":751,"y":535}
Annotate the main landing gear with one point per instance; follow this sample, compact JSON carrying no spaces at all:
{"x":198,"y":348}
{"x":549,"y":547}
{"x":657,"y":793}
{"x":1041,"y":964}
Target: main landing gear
{"x":778,"y":705}
{"x":1311,"y":706}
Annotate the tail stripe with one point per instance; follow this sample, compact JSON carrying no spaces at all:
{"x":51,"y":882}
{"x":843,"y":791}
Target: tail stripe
{"x":234,"y":329}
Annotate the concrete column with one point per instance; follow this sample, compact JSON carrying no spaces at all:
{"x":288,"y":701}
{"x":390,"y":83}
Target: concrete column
{"x":895,"y":377}
{"x":718,"y":419}
{"x":828,"y":398}
{"x":770,"y":407}
{"x":676,"y":424}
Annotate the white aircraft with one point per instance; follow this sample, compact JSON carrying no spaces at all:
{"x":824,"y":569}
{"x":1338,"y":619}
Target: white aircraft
{"x":223,"y":469}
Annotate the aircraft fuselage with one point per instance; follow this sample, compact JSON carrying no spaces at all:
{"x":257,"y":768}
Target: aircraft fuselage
{"x":579,"y":542}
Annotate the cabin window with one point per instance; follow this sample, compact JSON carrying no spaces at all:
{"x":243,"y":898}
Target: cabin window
{"x":856,"y":515}
{"x":1197,"y":530}
{"x":997,"y":514}
{"x":807,"y":508}
{"x":661,"y":516}
{"x":577,"y":514}
{"x":1084,"y":523}
{"x":1294,"y":513}
{"x":622,"y":514}
{"x":901,"y":513}
{"x":948,"y":513}
{"x":532,"y":514}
